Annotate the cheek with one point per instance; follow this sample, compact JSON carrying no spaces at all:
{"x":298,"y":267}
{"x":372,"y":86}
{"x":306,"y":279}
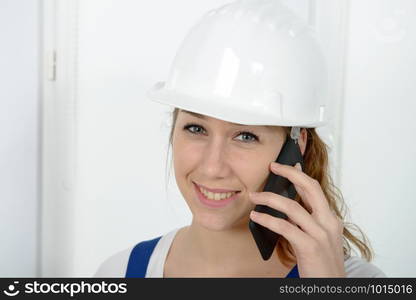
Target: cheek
{"x":254,"y":169}
{"x":186,"y":158}
{"x":186,"y":155}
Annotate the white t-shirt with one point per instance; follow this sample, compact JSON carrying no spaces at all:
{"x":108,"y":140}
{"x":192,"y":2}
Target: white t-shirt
{"x":116,"y":265}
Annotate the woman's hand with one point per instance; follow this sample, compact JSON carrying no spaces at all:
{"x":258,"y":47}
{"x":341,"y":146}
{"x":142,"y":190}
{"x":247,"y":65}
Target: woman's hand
{"x":316,"y":237}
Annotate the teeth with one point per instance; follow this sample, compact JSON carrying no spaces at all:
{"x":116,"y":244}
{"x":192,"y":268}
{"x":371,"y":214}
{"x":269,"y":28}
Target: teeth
{"x":216,"y":196}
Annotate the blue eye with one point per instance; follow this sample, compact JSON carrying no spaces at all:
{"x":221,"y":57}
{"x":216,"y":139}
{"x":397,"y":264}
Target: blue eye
{"x":187,"y":127}
{"x":254,"y":138}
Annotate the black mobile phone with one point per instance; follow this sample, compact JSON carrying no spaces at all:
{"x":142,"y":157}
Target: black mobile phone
{"x":265,"y":238}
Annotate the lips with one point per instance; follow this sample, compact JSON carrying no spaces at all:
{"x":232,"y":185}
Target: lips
{"x":214,"y":203}
{"x":216,"y":190}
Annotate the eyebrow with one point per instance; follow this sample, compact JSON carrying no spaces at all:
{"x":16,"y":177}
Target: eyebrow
{"x":204,"y":118}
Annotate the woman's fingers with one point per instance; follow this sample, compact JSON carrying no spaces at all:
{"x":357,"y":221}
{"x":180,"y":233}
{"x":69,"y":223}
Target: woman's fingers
{"x":295,"y":212}
{"x":308,"y":188}
{"x":294,"y":235}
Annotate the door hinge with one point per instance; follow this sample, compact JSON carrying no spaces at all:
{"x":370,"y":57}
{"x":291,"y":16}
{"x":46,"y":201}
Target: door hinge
{"x":51,"y":65}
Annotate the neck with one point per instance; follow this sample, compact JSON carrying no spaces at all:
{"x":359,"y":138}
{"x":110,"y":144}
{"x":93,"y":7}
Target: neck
{"x":218,"y":249}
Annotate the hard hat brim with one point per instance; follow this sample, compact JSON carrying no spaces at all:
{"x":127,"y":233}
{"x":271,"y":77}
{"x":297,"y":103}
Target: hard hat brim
{"x":244,"y":116}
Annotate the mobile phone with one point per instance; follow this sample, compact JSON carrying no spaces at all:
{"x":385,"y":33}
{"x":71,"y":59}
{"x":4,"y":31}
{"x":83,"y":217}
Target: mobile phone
{"x":265,"y":238}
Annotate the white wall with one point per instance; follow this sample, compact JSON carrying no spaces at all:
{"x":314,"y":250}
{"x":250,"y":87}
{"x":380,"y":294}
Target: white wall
{"x":378,"y":147}
{"x":111,"y":194}
{"x":19,"y":137}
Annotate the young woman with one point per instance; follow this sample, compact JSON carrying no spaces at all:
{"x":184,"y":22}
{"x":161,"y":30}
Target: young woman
{"x":249,"y":76}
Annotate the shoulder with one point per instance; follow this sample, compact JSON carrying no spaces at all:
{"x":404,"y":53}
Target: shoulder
{"x":358,"y":267}
{"x":115,"y":265}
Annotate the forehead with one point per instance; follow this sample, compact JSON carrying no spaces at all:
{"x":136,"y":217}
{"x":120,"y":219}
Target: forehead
{"x":203,"y":117}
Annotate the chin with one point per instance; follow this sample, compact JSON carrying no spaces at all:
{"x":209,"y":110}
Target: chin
{"x":217,"y":222}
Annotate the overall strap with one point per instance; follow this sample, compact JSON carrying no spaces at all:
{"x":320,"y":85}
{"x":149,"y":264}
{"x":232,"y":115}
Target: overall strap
{"x":294,"y":273}
{"x":139,"y":258}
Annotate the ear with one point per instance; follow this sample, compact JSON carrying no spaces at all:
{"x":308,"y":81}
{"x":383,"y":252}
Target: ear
{"x":303,"y":140}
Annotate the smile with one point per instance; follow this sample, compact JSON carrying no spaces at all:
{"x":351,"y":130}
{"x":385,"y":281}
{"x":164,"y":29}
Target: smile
{"x":215,"y":196}
{"x":214,"y":200}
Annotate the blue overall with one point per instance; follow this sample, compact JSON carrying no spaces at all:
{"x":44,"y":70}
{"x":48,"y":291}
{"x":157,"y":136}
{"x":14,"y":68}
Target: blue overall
{"x":140,"y":255}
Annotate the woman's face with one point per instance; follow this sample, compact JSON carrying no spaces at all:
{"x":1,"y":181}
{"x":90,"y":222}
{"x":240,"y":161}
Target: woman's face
{"x":222,"y":155}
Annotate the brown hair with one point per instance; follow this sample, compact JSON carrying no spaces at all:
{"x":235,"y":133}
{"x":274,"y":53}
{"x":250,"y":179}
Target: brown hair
{"x":316,"y":166}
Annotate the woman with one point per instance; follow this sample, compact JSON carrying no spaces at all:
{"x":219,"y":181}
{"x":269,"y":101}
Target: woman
{"x":248,"y":76}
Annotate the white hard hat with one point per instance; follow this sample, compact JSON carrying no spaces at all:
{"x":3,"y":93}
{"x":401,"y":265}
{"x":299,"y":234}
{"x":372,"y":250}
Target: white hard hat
{"x":250,"y":62}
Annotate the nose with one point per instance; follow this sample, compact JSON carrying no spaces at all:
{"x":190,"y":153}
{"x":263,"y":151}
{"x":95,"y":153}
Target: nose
{"x":215,"y":162}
